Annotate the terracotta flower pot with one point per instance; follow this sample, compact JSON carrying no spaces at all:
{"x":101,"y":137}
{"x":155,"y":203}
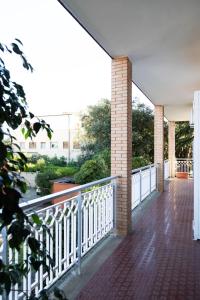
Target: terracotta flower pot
{"x":182,"y":175}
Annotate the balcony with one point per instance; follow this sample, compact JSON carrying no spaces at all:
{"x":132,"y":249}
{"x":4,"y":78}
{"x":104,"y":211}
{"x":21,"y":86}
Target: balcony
{"x":154,"y":262}
{"x":159,"y":260}
{"x":156,"y":220}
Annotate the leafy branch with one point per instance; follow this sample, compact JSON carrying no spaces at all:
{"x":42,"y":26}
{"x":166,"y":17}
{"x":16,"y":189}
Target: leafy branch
{"x":20,"y":228}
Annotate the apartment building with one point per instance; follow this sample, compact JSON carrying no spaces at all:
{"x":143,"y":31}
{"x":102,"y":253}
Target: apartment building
{"x":65,"y":139}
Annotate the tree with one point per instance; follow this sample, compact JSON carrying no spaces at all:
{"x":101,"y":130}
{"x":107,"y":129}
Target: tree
{"x":184,"y":138}
{"x":91,"y":170}
{"x":13,"y":220}
{"x":97,"y":126}
{"x":143,"y":131}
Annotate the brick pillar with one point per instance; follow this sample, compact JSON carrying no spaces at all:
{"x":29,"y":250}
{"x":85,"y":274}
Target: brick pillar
{"x":159,"y":144}
{"x":121,"y":139}
{"x":171,"y":147}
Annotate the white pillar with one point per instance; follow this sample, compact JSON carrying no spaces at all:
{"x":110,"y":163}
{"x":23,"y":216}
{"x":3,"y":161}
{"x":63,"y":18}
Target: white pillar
{"x":196,"y":159}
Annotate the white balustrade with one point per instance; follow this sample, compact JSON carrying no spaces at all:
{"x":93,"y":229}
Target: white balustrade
{"x":166,"y":169}
{"x":75,"y":226}
{"x":143,"y":183}
{"x":184,"y":165}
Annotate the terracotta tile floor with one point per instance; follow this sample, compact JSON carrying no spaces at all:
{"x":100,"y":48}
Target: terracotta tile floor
{"x":159,"y":260}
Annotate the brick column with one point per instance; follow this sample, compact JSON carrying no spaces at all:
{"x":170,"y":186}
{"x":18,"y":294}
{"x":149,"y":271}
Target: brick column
{"x":121,"y":139}
{"x":159,"y":144}
{"x":171,"y":147}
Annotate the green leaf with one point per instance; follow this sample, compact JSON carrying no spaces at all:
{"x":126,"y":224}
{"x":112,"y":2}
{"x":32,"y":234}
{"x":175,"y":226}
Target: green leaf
{"x":16,"y":49}
{"x":23,"y":130}
{"x":19,"y":41}
{"x":33,"y":244}
{"x":36,"y":127}
{"x":36,"y":219}
{"x":23,"y":157}
{"x":31,"y":115}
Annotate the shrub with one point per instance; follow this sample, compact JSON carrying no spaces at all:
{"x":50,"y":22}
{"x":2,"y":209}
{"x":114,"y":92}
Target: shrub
{"x":58,"y":161}
{"x":49,"y":173}
{"x":91,"y":170}
{"x":106,"y":156}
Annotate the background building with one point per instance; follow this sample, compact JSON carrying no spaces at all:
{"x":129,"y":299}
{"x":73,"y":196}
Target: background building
{"x":65,"y":138}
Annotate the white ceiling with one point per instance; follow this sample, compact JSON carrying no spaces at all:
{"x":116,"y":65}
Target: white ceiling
{"x":162,"y":39}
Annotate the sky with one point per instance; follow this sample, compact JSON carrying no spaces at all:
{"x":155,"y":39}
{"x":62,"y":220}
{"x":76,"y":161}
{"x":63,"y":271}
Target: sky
{"x":71,"y":71}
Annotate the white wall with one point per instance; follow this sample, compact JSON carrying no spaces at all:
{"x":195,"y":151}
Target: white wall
{"x":196,"y":159}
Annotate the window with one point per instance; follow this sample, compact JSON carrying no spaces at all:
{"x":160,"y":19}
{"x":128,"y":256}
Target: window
{"x":54,"y":145}
{"x":42,"y":145}
{"x":32,"y":145}
{"x":22,"y":145}
{"x":65,"y":145}
{"x":76,"y":145}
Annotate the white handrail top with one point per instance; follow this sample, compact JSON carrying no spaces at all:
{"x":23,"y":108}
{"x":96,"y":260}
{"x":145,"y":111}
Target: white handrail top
{"x":45,"y":199}
{"x":142,"y":168}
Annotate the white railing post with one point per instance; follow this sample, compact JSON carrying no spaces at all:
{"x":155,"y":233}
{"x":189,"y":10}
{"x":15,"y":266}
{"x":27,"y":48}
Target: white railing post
{"x":79,"y":199}
{"x":150,"y":179}
{"x":140,"y":185}
{"x":157,"y":170}
{"x":114,"y":203}
{"x":5,"y":256}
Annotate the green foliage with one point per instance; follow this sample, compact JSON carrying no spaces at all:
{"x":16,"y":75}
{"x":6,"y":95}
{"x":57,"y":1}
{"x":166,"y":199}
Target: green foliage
{"x":184,"y":138}
{"x":91,"y":170}
{"x":57,"y":161}
{"x":139,"y":161}
{"x":106,"y":156}
{"x":44,"y":177}
{"x":143,"y":131}
{"x":97,"y":125}
{"x":13,"y":114}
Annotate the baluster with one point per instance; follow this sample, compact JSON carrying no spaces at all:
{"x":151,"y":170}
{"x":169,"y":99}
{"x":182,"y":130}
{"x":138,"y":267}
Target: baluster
{"x":79,"y":199}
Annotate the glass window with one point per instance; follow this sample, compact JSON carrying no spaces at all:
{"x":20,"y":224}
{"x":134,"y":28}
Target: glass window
{"x":65,"y":145}
{"x":53,"y":145}
{"x":32,"y":145}
{"x":42,"y":145}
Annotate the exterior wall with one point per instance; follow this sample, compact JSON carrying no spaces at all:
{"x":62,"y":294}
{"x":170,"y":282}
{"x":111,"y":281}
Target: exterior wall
{"x":171,"y":147}
{"x":159,"y":144}
{"x":196,"y":158}
{"x":121,"y":140}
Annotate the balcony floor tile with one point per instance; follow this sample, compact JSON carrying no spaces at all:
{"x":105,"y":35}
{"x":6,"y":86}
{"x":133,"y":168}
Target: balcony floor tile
{"x":159,"y":260}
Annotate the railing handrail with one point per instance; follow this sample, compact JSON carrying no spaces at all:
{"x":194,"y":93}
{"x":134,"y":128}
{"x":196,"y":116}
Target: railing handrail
{"x":45,"y":199}
{"x":142,"y":168}
{"x":183,"y":159}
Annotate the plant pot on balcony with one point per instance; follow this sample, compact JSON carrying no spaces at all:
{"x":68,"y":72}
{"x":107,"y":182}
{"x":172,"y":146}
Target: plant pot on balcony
{"x":182,"y":175}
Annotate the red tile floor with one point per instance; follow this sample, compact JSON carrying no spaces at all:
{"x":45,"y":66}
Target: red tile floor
{"x":159,"y":260}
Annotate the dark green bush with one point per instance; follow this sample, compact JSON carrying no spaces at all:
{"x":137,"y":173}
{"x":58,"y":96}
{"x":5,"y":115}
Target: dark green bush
{"x":91,"y":170}
{"x":49,"y":173}
{"x":139,"y":161}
